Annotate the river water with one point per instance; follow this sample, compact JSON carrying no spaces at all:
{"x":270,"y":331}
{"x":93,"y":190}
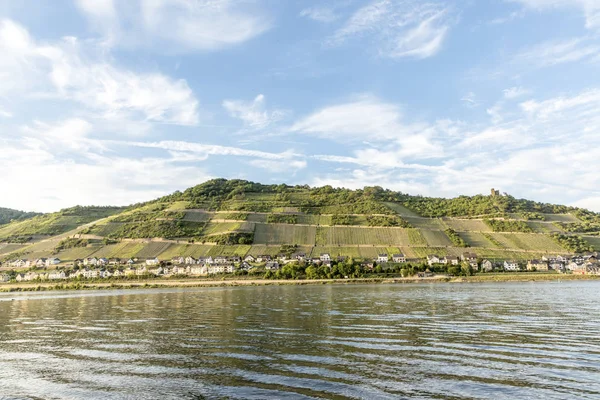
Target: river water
{"x":437,"y":341}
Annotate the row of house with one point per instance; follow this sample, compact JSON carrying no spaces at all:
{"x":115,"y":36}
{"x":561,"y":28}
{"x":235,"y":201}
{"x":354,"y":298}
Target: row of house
{"x":94,"y":273}
{"x":39,"y":262}
{"x":470,"y":258}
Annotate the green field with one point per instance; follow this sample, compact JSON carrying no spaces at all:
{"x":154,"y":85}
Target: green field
{"x":472,"y":225}
{"x":196,"y":216}
{"x":333,"y":236}
{"x":313,"y":219}
{"x":527,"y":241}
{"x":120,"y":250}
{"x":543,"y":227}
{"x":185,"y":250}
{"x":561,"y":218}
{"x":284,"y":234}
{"x":77,"y":253}
{"x":336,"y":251}
{"x":416,"y":238}
{"x":221,"y":227}
{"x":476,"y":239}
{"x":592,"y":240}
{"x":422,"y":252}
{"x":401,"y":210}
{"x":106,"y":229}
{"x":259,"y":250}
{"x":436,"y":238}
{"x":427,"y":223}
{"x":6,"y":248}
{"x":229,"y":251}
{"x":152,"y":249}
{"x":257,"y":217}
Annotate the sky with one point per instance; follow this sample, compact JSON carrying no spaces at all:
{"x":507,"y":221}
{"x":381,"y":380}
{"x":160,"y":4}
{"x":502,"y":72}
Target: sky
{"x":108,"y":102}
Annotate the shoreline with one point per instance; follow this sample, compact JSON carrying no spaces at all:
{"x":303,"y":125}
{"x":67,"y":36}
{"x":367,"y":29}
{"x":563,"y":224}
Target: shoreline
{"x":189,"y":283}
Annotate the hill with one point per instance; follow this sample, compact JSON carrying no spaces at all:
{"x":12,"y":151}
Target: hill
{"x":8,"y":215}
{"x":236,"y":217}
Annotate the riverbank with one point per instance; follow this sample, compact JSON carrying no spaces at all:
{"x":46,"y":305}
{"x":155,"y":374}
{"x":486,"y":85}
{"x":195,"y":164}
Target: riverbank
{"x":187,"y":283}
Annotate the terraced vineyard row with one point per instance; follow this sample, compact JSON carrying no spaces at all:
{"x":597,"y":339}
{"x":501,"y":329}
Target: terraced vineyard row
{"x":329,"y":236}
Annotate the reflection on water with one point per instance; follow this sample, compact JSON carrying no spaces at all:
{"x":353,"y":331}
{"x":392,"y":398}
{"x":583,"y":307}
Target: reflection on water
{"x":501,"y":341}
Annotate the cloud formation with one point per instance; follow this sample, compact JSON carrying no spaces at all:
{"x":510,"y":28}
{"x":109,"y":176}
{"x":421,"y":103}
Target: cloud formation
{"x":184,"y":26}
{"x":399,"y":29}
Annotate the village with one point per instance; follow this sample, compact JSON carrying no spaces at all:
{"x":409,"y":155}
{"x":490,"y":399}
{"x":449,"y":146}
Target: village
{"x":103,"y":268}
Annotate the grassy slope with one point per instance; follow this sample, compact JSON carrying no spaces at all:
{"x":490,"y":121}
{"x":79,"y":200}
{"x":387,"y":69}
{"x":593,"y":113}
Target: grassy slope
{"x":313,"y":230}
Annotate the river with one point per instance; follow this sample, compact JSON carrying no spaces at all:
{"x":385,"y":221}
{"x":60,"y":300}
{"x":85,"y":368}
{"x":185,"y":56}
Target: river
{"x":424,"y":341}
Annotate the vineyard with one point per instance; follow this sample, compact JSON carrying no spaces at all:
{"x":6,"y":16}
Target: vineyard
{"x":436,"y":238}
{"x":284,"y":234}
{"x":331,"y":236}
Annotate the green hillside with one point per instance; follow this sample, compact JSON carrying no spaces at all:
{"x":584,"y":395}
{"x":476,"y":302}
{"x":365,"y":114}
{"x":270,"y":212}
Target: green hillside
{"x":8,"y":215}
{"x":236,"y":217}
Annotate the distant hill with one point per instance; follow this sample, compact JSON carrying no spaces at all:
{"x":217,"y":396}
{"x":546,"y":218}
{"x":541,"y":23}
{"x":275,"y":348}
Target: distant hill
{"x":237,"y":217}
{"x":7,"y":215}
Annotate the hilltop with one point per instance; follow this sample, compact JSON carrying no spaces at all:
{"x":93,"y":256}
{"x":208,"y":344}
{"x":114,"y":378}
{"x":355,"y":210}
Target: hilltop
{"x":236,"y":217}
{"x":8,"y":215}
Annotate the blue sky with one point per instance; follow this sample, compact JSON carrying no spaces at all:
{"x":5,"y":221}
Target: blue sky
{"x":115,"y":102}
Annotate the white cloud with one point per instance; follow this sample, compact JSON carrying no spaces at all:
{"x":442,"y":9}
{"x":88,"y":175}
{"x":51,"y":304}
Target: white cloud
{"x":5,"y":114}
{"x":320,"y":14}
{"x":177,"y":25}
{"x":51,"y":180}
{"x":559,"y":52}
{"x":583,"y":105}
{"x":364,"y":119}
{"x":69,"y":70}
{"x":370,"y":120}
{"x":208,"y":149}
{"x":400,"y":29}
{"x":253,"y":113}
{"x":470,"y":100}
{"x":515,"y":92}
{"x":590,"y":8}
{"x":101,"y":13}
{"x":71,"y":134}
{"x":271,"y":165}
{"x":591,"y":203}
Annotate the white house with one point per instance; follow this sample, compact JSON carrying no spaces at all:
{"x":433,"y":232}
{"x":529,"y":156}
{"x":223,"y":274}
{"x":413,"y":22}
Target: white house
{"x":54,"y":275}
{"x":180,"y":270}
{"x":177,"y":260}
{"x":142,"y":271}
{"x":453,"y":260}
{"x":244,"y":266}
{"x":153,"y":261}
{"x":249,"y":258}
{"x":220,"y":269}
{"x":399,"y":258}
{"x":433,"y":259}
{"x":220,"y":260}
{"x":90,"y":261}
{"x":4,"y":278}
{"x":198,"y":270}
{"x":20,"y":263}
{"x":487,"y":266}
{"x":382,"y":258}
{"x":41,"y":262}
{"x":299,"y":256}
{"x":572,"y":266}
{"x":190,"y":260}
{"x":272,"y":265}
{"x":52,"y":261}
{"x":511,"y":266}
{"x":325,"y":257}
{"x":90,"y":273}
